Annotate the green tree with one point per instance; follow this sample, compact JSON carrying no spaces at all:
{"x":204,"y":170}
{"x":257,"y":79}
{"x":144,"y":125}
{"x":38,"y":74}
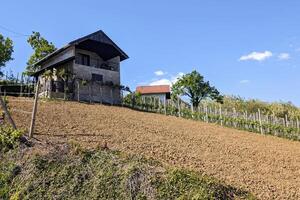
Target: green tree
{"x":194,"y":86}
{"x":6,"y":50}
{"x":65,"y":75}
{"x":41,"y":49}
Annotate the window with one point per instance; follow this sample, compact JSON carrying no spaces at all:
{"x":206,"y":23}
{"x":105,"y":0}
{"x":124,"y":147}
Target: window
{"x":83,"y":59}
{"x":97,"y":77}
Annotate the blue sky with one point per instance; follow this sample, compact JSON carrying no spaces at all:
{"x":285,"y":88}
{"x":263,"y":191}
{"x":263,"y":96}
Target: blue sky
{"x":246,"y":48}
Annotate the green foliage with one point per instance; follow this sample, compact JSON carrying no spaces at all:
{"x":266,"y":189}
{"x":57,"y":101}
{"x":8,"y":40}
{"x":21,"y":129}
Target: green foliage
{"x":6,"y":50}
{"x":133,"y":99}
{"x":151,"y":104}
{"x":65,"y":74}
{"x":194,"y":86}
{"x":41,"y":49}
{"x":8,"y":171}
{"x":48,"y":74}
{"x":105,"y":174}
{"x":278,"y":109}
{"x":184,"y":184}
{"x":9,"y":138}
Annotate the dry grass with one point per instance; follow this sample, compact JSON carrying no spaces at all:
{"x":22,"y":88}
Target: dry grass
{"x":267,"y":166}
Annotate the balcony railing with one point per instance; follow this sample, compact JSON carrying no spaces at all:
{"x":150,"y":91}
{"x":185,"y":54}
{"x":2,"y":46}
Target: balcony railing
{"x":113,"y":66}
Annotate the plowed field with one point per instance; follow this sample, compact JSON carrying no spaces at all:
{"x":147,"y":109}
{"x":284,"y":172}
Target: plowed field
{"x":267,"y":166}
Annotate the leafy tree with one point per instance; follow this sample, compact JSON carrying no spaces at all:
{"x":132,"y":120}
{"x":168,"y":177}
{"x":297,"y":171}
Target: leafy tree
{"x":194,"y":86}
{"x":6,"y":50}
{"x":41,"y":49}
{"x":65,"y":75}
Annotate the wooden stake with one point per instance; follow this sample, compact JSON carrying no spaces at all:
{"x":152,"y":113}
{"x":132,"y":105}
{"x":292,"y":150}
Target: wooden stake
{"x":31,"y":131}
{"x":21,"y":86}
{"x":159,"y":105}
{"x":206,"y":113}
{"x":78,"y":93}
{"x":165,"y":106}
{"x":286,"y":120}
{"x":90,"y":94}
{"x":101,"y":96}
{"x":3,"y":105}
{"x":260,"y":124}
{"x":111,"y":96}
{"x":297,"y":124}
{"x":178,"y":105}
{"x":220,"y":112}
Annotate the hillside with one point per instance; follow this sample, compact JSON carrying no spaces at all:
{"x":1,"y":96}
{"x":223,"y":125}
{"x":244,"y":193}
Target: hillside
{"x":70,"y":172}
{"x":267,"y":166}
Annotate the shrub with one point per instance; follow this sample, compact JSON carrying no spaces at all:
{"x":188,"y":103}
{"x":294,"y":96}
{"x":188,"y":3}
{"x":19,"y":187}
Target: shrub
{"x":9,"y":138}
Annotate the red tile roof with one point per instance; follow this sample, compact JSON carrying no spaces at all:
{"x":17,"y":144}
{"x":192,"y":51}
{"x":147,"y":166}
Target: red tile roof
{"x":155,"y":89}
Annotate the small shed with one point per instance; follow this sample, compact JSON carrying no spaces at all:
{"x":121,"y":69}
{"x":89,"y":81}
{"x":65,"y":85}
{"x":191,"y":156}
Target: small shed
{"x":163,"y":92}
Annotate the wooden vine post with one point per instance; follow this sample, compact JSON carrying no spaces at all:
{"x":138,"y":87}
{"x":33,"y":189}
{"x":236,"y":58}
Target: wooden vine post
{"x":101,"y":95}
{"x":21,"y":86}
{"x":206,"y":113}
{"x":297,"y":124}
{"x":78,"y":90}
{"x":220,"y":113}
{"x":178,"y":105}
{"x":31,"y":130}
{"x":286,"y":120}
{"x":165,"y":106}
{"x":260,"y":123}
{"x":4,"y":108}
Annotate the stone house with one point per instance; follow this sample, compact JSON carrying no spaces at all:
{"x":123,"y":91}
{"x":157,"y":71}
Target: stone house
{"x":86,"y":69}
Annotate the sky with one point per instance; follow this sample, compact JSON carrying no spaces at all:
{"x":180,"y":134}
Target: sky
{"x":247,"y":48}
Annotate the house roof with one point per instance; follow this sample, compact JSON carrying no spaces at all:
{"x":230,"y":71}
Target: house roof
{"x":97,"y":41}
{"x":155,"y":89}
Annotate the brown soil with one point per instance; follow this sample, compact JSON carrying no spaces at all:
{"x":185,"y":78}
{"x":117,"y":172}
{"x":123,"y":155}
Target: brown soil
{"x":267,"y":166}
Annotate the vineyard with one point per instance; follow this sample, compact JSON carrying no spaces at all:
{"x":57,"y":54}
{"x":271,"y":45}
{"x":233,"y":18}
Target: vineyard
{"x":254,"y":162}
{"x":211,"y":112}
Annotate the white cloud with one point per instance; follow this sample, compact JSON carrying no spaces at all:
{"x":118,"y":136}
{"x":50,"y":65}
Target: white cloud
{"x":177,"y":76}
{"x":166,"y":81}
{"x":163,"y":81}
{"x":284,"y":56}
{"x":159,"y":73}
{"x":244,"y":81}
{"x":258,"y":56}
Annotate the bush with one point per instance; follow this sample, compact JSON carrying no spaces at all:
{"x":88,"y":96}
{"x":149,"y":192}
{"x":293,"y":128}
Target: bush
{"x":9,"y":138}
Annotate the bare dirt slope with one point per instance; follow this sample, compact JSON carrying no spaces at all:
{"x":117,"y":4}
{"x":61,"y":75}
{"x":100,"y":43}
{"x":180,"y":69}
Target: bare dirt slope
{"x":265,"y":165}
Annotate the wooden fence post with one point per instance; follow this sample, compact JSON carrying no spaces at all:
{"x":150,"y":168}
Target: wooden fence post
{"x":101,"y":95}
{"x":206,"y":113}
{"x":159,"y":105}
{"x":90,"y":95}
{"x":3,"y":105}
{"x":178,"y":105}
{"x":297,"y":124}
{"x":78,"y":91}
{"x":220,"y":112}
{"x":234,"y":116}
{"x":286,"y":120}
{"x":260,"y":123}
{"x":165,"y":106}
{"x":34,"y":109}
{"x":192,"y":110}
{"x":112,"y":95}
